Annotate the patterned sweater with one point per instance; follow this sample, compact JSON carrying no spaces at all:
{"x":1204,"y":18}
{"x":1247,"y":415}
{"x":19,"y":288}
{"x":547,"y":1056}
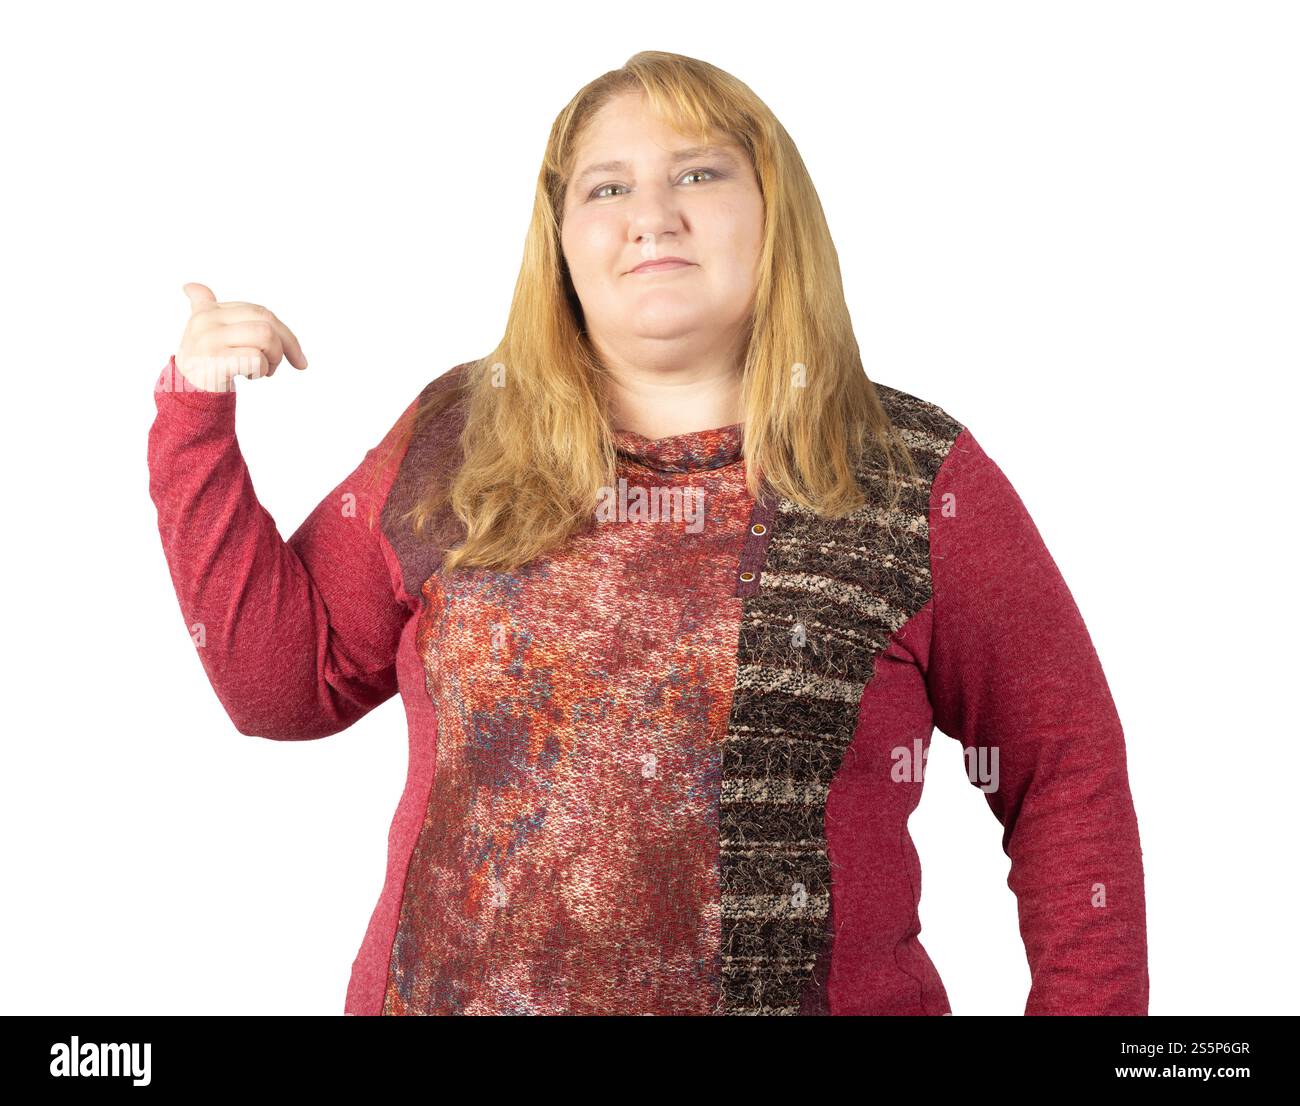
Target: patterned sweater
{"x":669,"y":769}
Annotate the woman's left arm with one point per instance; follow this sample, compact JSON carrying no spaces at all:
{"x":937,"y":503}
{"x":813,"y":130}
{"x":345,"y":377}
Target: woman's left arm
{"x":1013,"y":675}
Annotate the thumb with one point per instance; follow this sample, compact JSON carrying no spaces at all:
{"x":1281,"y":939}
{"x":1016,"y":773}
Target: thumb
{"x":199,"y":294}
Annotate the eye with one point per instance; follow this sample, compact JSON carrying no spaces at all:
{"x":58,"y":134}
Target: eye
{"x":596,"y":193}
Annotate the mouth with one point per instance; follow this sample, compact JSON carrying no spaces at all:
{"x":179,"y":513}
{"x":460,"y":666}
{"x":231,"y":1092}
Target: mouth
{"x":662,"y":265}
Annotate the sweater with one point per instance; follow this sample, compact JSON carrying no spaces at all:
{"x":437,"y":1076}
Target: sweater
{"x":669,"y":769}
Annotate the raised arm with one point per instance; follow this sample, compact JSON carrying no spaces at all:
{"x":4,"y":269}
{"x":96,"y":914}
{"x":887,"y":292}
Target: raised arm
{"x":1012,"y":668}
{"x":299,"y":638}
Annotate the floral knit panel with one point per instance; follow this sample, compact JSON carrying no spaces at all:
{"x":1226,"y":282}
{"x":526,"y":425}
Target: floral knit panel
{"x":568,"y":862}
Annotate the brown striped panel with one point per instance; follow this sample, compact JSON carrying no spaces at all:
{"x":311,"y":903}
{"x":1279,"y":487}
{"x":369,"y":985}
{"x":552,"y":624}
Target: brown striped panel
{"x":849,"y":583}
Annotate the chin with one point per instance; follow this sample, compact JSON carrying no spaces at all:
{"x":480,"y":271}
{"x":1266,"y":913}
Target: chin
{"x":669,"y":320}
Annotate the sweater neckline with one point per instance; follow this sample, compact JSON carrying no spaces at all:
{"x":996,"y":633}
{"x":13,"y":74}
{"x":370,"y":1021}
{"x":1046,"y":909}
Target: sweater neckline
{"x":694,"y":451}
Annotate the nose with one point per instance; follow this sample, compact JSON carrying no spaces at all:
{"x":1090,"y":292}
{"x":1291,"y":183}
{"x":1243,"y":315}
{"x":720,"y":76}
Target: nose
{"x":653,"y":215}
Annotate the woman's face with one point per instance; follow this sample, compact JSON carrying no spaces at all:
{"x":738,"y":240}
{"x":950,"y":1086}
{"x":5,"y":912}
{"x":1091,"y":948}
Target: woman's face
{"x":638,"y":193}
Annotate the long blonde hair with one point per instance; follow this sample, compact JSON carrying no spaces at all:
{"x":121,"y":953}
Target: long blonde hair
{"x":537,"y":441}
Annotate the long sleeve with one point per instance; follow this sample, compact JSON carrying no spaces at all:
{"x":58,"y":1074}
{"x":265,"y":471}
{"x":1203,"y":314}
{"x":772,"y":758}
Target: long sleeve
{"x":299,"y":638}
{"x":1012,"y":669}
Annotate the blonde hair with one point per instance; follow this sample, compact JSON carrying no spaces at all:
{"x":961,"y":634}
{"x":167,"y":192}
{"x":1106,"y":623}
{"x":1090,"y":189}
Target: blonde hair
{"x":535,"y":451}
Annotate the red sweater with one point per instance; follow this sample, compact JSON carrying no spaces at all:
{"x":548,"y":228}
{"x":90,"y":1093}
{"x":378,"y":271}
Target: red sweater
{"x":669,"y":769}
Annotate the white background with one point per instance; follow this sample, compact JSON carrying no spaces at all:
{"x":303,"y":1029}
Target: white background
{"x":1072,"y":226}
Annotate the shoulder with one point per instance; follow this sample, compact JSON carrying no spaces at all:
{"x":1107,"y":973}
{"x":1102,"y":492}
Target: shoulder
{"x":437,"y":410}
{"x":435,"y":414}
{"x":963,"y":503}
{"x":932,"y":434}
{"x":918,"y":419}
{"x":427,"y":435}
{"x":423,"y":423}
{"x":427,"y":454}
{"x":454,"y":381}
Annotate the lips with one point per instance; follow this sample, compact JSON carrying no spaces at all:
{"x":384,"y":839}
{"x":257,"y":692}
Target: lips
{"x":662,"y":264}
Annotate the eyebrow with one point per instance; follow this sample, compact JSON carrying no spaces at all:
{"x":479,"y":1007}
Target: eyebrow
{"x":688,"y":153}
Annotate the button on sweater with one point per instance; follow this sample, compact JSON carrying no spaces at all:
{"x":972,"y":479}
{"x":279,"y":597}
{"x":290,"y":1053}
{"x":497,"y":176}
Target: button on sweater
{"x":669,"y":768}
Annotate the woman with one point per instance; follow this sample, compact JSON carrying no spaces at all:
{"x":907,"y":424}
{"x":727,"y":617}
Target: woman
{"x":673,"y":595}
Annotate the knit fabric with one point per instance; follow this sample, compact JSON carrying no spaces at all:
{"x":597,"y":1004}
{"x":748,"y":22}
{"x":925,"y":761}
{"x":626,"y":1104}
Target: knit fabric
{"x":668,"y":769}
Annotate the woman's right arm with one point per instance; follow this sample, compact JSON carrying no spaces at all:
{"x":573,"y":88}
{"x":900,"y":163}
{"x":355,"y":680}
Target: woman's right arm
{"x":299,"y":639}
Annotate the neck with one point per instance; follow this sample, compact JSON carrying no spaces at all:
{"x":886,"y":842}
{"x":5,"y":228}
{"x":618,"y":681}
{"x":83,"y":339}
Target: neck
{"x":660,"y":399}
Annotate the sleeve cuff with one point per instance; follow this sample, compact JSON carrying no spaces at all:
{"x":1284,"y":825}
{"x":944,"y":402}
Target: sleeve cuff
{"x":172,"y":386}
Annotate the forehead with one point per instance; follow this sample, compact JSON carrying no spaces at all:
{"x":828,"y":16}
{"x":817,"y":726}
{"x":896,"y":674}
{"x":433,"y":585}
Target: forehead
{"x":629,"y":113}
{"x":627,"y":131}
